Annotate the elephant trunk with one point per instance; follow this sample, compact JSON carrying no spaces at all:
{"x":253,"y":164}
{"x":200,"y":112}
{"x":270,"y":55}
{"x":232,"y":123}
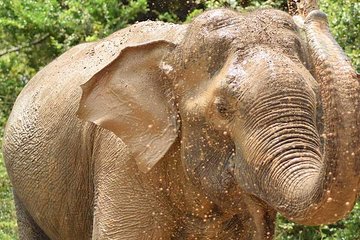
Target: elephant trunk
{"x":340,"y":94}
{"x":308,"y":169}
{"x":284,"y":163}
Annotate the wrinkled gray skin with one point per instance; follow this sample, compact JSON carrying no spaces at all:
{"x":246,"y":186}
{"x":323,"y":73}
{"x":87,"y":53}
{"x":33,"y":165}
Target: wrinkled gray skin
{"x":202,"y":131}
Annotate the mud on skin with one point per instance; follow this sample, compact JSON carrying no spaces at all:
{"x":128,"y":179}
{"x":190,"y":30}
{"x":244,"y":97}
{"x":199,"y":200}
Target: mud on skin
{"x":197,"y":131}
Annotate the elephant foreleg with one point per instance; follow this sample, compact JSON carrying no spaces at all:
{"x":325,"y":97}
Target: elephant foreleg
{"x":126,"y":205}
{"x":28,"y":228}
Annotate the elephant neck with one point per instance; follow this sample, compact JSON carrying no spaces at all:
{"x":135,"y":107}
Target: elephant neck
{"x":203,"y":215}
{"x":207,"y":159}
{"x":189,"y":198}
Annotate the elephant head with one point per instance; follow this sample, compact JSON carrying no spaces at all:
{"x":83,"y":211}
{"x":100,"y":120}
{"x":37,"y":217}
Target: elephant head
{"x":256,"y":107}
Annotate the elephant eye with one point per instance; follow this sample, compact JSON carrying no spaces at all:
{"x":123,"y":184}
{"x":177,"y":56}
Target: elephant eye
{"x":222,"y":107}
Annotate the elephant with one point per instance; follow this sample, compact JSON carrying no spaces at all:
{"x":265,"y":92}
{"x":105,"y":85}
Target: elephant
{"x":203,"y":130}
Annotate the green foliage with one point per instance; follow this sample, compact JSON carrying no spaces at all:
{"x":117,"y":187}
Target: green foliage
{"x":347,"y":229}
{"x":7,"y":209}
{"x":33,"y":33}
{"x":345,"y":26}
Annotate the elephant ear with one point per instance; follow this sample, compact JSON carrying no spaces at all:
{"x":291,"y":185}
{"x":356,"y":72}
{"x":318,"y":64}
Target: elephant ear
{"x":131,"y":97}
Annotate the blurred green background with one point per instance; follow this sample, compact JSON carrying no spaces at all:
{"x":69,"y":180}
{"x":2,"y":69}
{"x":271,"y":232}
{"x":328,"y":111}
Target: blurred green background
{"x":33,"y":33}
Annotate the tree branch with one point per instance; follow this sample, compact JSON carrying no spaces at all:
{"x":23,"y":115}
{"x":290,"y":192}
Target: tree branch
{"x":16,"y":49}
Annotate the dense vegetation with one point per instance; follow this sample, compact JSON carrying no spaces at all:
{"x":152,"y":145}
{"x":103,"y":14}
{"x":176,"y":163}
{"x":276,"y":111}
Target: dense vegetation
{"x":33,"y":33}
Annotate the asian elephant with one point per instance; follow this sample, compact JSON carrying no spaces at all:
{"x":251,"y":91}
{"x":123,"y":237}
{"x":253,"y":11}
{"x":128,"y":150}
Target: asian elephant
{"x":196,"y":131}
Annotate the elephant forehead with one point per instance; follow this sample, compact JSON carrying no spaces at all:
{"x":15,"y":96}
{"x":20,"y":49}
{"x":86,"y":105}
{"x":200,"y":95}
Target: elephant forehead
{"x":216,"y":32}
{"x":227,"y":23}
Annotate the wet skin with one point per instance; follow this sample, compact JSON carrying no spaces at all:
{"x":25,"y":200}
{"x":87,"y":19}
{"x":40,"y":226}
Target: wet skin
{"x":199,"y":131}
